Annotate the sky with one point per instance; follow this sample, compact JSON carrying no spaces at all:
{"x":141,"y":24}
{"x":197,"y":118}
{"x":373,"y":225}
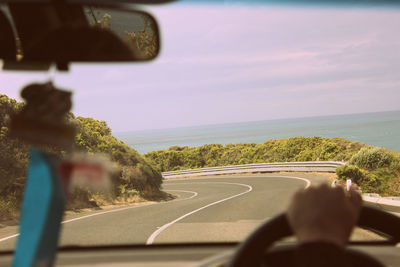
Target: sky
{"x":223,"y":64}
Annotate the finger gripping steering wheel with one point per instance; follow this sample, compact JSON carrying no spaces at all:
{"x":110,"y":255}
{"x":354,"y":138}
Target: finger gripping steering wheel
{"x":251,"y":251}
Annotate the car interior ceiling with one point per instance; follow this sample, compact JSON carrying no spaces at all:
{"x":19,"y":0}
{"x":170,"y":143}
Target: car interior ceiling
{"x":8,"y":47}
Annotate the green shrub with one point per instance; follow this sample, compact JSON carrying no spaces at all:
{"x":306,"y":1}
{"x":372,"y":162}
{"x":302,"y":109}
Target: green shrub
{"x":125,"y":192}
{"x":373,"y":158}
{"x":8,"y":206}
{"x":329,"y":151}
{"x":93,"y":136}
{"x":278,"y":150}
{"x":377,"y":181}
{"x":380,"y":181}
{"x":351,"y":172}
{"x":395,"y":165}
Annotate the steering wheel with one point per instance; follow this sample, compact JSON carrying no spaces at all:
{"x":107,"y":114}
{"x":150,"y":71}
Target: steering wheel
{"x":251,"y":251}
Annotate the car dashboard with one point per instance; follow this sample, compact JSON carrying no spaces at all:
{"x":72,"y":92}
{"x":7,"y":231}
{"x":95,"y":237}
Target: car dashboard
{"x":168,"y":255}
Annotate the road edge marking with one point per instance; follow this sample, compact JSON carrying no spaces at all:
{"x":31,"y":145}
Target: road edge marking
{"x":195,"y":194}
{"x":152,"y":237}
{"x":308,"y":183}
{"x":111,"y":211}
{"x":8,"y":237}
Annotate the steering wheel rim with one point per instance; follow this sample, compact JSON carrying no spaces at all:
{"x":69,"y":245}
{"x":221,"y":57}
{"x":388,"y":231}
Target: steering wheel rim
{"x":251,"y":250}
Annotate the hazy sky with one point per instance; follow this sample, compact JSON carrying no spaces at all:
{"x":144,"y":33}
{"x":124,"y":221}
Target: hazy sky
{"x":230,"y":64}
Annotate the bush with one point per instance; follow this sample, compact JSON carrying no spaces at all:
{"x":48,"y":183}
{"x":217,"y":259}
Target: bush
{"x":395,"y":165}
{"x":278,"y":150}
{"x":93,"y":136}
{"x":8,"y":207}
{"x":378,"y":181}
{"x":351,"y":172}
{"x":373,"y":158}
{"x":125,"y":193}
{"x":382,"y":168}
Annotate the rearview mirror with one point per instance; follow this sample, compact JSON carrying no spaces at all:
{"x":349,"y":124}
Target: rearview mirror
{"x":81,"y":34}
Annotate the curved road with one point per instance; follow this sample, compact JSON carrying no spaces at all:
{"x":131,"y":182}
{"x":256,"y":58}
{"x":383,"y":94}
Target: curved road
{"x":221,"y":208}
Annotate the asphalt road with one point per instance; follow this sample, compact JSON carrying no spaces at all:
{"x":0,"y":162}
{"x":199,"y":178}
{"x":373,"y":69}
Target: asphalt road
{"x":206,"y":209}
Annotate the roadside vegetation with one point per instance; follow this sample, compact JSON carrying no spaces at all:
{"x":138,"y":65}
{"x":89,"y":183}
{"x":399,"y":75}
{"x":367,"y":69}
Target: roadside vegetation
{"x":134,"y":179}
{"x":375,"y":170}
{"x":277,"y":150}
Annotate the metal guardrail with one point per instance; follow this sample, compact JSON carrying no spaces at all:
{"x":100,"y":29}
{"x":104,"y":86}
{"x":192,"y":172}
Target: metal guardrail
{"x":308,"y":166}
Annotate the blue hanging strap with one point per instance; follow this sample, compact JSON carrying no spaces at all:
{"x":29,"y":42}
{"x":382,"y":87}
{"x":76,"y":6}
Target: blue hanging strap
{"x":42,"y":212}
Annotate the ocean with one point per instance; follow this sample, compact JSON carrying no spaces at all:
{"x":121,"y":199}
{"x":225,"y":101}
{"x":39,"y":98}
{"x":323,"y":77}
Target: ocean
{"x":378,"y":129}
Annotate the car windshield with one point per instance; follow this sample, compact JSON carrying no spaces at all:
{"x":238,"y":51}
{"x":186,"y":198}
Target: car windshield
{"x":245,"y":105}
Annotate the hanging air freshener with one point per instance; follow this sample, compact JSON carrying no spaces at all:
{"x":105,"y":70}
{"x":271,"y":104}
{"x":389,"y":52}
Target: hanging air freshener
{"x":87,"y":171}
{"x":42,"y":121}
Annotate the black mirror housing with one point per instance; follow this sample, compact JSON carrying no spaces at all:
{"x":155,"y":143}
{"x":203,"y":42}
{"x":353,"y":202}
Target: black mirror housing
{"x":81,"y":34}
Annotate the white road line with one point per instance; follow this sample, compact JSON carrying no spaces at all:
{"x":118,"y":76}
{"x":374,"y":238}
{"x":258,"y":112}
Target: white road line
{"x":110,"y":211}
{"x":152,"y":237}
{"x":8,"y":237}
{"x":105,"y":212}
{"x":308,"y":182}
{"x":84,"y":217}
{"x":116,"y":210}
{"x":195,"y":194}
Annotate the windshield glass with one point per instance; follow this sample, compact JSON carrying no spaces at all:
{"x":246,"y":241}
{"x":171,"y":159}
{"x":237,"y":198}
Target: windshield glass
{"x":309,"y":94}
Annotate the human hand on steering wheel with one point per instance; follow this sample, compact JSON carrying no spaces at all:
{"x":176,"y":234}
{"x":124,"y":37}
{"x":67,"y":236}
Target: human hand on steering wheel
{"x":322,"y":218}
{"x":324,"y":214}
